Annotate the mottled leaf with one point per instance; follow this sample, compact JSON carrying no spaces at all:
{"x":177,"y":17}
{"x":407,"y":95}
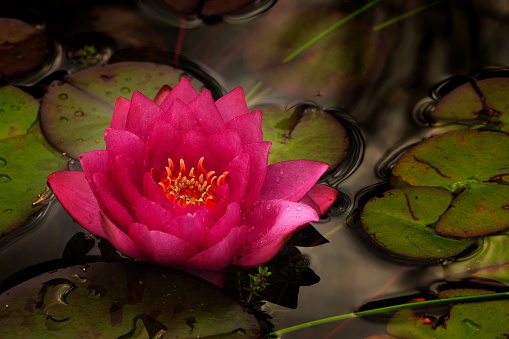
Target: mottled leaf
{"x":26,"y":159}
{"x":119,"y":300}
{"x":402,"y":221}
{"x":304,"y":132}
{"x":75,"y":113}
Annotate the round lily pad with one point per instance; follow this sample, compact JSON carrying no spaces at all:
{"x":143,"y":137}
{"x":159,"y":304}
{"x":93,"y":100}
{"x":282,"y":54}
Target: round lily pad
{"x":454,"y":160}
{"x":121,"y":300}
{"x":23,"y":48}
{"x":402,"y":222}
{"x":339,"y":62}
{"x":26,"y":159}
{"x":75,"y":113}
{"x":304,"y":132}
{"x":477,"y":102}
{"x":467,"y":320}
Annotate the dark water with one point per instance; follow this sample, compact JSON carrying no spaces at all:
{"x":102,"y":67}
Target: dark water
{"x":394,"y":69}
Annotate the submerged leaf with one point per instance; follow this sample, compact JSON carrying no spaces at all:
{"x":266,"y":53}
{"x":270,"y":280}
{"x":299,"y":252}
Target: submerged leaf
{"x":119,"y":300}
{"x":402,"y":222}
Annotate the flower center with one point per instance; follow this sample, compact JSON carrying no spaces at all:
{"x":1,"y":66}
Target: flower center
{"x":190,"y":188}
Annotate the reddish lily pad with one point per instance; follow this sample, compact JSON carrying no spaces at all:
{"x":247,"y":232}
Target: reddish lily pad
{"x":402,"y":221}
{"x":23,"y":48}
{"x":26,"y":159}
{"x":75,"y":113}
{"x":454,"y":160}
{"x":480,"y":209}
{"x":119,"y":300}
{"x":477,"y":102}
{"x":467,"y":320}
{"x":304,"y":133}
{"x":338,"y":63}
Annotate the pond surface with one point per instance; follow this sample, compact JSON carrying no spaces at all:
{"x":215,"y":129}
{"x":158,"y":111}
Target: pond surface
{"x":374,"y":72}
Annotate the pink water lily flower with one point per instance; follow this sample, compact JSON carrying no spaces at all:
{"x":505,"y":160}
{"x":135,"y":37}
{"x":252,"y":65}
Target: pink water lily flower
{"x":184,"y":182}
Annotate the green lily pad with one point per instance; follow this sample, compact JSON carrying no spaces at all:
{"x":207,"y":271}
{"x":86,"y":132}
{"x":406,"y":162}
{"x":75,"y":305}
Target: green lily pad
{"x":304,"y":133}
{"x":464,"y":321}
{"x":340,"y":62}
{"x":402,"y":221}
{"x":487,"y":104}
{"x":454,"y":160}
{"x":480,"y":209}
{"x":26,"y":159}
{"x":75,"y":113}
{"x":122,"y":300}
{"x":490,"y":261}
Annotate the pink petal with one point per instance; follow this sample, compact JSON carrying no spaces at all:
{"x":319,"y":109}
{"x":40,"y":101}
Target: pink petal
{"x":142,"y":114}
{"x":153,"y":215}
{"x":249,"y":126}
{"x":190,"y":227}
{"x":191,"y":147}
{"x":291,"y":180}
{"x":229,"y":220}
{"x":223,"y":197}
{"x":120,"y":112}
{"x":153,"y":191}
{"x":161,"y":141}
{"x":181,"y":117}
{"x":238,"y":177}
{"x":258,"y":158}
{"x":120,"y":240}
{"x":94,"y":162}
{"x":162,"y":94}
{"x":124,"y":142}
{"x":74,"y":193}
{"x":206,"y":113}
{"x":227,"y":144}
{"x":160,"y":247}
{"x":270,"y":223}
{"x":128,"y":177}
{"x":323,"y":196}
{"x":111,"y":202}
{"x":221,"y":254}
{"x":232,"y":104}
{"x":183,"y":91}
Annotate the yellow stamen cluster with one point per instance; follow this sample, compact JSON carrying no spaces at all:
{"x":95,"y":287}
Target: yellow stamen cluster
{"x":191,"y":188}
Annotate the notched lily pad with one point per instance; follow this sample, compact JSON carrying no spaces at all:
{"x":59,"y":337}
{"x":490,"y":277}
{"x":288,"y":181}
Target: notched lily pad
{"x":26,"y":159}
{"x":402,"y":221}
{"x":477,"y":102}
{"x":304,"y":132}
{"x":467,"y":320}
{"x":75,"y":113}
{"x":120,"y":300}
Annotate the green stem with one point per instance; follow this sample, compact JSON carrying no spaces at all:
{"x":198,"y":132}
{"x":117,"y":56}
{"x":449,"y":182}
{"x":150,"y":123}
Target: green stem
{"x":454,"y":300}
{"x":405,"y":15}
{"x":330,"y":29}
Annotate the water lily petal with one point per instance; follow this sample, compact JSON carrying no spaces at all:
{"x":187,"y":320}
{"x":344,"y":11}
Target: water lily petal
{"x":221,"y":254}
{"x":248,"y":126}
{"x":151,"y":214}
{"x":190,"y":227}
{"x":183,"y":91}
{"x":128,"y":177}
{"x":181,"y":117}
{"x":153,"y":191}
{"x":238,"y":177}
{"x":291,"y":180}
{"x":191,"y":147}
{"x":111,"y":202}
{"x":223,"y":197}
{"x":160,"y":143}
{"x":270,"y":223}
{"x":120,"y":112}
{"x":323,"y":196}
{"x":258,"y":157}
{"x":229,"y":220}
{"x":142,"y":114}
{"x":74,"y":193}
{"x":232,"y":104}
{"x":124,"y":142}
{"x":206,"y":113}
{"x":227,"y":144}
{"x":162,"y":94}
{"x":119,"y":239}
{"x":94,"y":162}
{"x":160,"y":247}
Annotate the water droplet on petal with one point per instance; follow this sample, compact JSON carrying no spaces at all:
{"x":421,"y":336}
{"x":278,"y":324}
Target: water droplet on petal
{"x":278,"y":179}
{"x":298,"y":215}
{"x":4,"y":178}
{"x":298,"y":208}
{"x":287,"y":208}
{"x":63,"y":96}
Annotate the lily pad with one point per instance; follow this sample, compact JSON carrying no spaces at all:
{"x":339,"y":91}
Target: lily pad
{"x":340,"y":62}
{"x":402,"y":221}
{"x":454,"y":160}
{"x":467,"y":320}
{"x":121,"y":300}
{"x":304,"y":132}
{"x":480,"y":209}
{"x":26,"y":159}
{"x":477,"y":102}
{"x":75,"y":113}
